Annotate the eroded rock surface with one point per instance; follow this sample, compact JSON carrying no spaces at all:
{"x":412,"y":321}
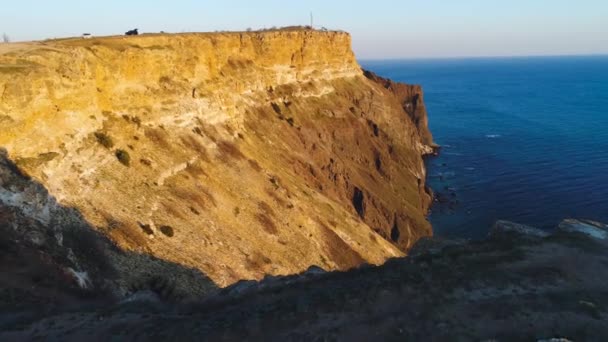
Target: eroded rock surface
{"x":238,"y":155}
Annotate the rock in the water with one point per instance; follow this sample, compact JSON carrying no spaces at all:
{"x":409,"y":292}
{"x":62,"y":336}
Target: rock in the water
{"x":502,"y":227}
{"x":592,"y":229}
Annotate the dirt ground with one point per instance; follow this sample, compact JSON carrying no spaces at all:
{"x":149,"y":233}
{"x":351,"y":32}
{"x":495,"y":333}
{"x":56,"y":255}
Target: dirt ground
{"x":11,"y":47}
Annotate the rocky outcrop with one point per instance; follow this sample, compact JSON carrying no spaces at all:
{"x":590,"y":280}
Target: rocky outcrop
{"x":502,"y":227}
{"x":593,"y":229}
{"x":412,"y":100}
{"x":50,"y":255}
{"x":545,"y":286}
{"x":235,"y":154}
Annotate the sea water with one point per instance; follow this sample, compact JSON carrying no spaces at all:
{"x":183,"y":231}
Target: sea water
{"x":523,"y":139}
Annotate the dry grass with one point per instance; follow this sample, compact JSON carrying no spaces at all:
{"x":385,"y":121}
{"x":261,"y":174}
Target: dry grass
{"x":230,"y":149}
{"x":266,"y":218}
{"x":145,"y":161}
{"x":254,"y":165}
{"x":158,"y":136}
{"x":104,"y":139}
{"x":13,"y":68}
{"x":193,"y":144}
{"x":126,"y":234}
{"x":199,"y":195}
{"x":265,"y":208}
{"x":173,"y":210}
{"x":281,"y":202}
{"x":338,"y":250}
{"x":35,"y":162}
{"x":196,"y":171}
{"x":257,"y":261}
{"x":267,"y":223}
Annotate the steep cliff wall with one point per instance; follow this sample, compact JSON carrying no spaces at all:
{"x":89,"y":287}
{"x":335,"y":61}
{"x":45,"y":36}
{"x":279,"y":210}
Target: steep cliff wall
{"x":237,"y":154}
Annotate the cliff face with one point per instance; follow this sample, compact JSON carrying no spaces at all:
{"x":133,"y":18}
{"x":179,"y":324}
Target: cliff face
{"x":238,"y":154}
{"x":412,"y":101}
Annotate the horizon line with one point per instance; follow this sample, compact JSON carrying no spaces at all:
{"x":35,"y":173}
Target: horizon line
{"x":372,"y":59}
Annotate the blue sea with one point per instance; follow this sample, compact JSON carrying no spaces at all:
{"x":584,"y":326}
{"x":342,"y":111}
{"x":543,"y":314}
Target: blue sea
{"x":523,"y":139}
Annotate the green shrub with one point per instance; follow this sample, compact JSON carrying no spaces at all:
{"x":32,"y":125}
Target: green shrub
{"x":104,"y":139}
{"x":123,"y":157}
{"x":167,"y":230}
{"x":276,"y":108}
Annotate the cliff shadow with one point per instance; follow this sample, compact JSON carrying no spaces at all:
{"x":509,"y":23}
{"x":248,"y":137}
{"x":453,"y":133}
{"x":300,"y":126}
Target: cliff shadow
{"x":51,"y":257}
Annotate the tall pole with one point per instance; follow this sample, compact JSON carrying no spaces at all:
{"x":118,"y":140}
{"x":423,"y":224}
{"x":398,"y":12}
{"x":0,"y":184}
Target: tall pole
{"x":311,"y":21}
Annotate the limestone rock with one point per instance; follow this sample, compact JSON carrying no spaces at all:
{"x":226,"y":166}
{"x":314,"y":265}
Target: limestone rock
{"x":235,"y":154}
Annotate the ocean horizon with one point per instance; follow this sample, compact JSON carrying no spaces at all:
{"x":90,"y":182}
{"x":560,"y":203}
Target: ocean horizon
{"x":367,"y":61}
{"x":523,"y":138}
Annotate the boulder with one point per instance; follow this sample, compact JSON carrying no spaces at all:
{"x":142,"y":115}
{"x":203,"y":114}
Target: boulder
{"x":592,"y":229}
{"x":501,"y":227}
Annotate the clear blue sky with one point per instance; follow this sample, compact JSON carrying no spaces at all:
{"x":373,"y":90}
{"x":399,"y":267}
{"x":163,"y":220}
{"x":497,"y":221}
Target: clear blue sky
{"x":380,"y":28}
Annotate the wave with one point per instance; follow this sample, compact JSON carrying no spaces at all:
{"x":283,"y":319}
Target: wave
{"x":493,"y":136}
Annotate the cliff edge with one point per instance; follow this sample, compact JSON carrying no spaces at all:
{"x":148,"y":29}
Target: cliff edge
{"x":232,"y":155}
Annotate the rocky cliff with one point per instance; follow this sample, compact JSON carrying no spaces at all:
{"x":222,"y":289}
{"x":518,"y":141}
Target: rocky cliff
{"x":231,"y":154}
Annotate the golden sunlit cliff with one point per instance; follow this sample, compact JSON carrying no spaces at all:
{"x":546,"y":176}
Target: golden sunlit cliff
{"x":235,"y":154}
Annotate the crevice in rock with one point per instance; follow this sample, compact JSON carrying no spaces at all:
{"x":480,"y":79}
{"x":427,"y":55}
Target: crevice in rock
{"x":378,"y":161}
{"x":395,"y":231}
{"x":359,"y":202}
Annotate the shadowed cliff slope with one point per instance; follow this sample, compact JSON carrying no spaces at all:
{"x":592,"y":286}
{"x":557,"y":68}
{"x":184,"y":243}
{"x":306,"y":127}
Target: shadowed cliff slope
{"x":520,"y":284}
{"x":237,"y":154}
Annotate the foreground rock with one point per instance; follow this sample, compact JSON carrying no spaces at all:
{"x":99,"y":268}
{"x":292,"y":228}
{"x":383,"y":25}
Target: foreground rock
{"x":506,"y":227}
{"x":514,"y":286}
{"x":593,"y":229}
